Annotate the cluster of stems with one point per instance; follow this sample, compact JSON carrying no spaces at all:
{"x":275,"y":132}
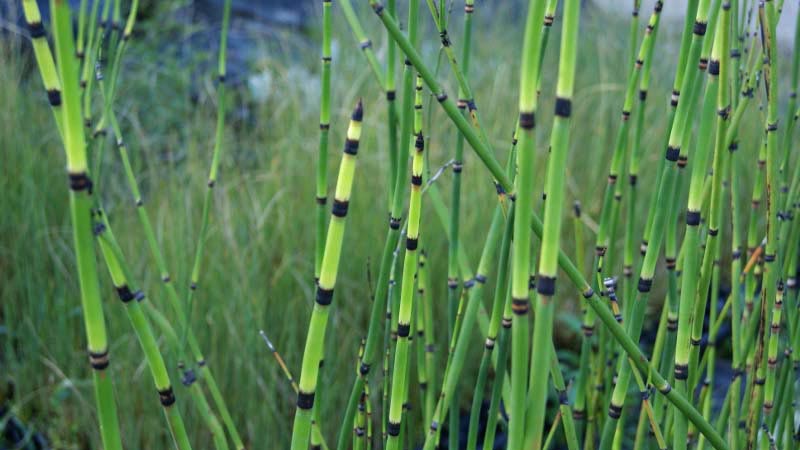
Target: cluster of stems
{"x":707,"y":302}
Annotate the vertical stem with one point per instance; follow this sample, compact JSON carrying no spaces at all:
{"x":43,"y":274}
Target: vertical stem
{"x":80,"y":208}
{"x":324,"y":127}
{"x":315,"y":341}
{"x":521,"y":258}
{"x":548,"y":260}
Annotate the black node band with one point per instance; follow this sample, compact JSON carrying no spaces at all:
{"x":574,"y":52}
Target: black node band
{"x":642,"y":95}
{"x":713,"y":231}
{"x":681,"y":371}
{"x":645,"y":285}
{"x":363,"y":369}
{"x":527,"y":120}
{"x":80,"y":182}
{"x":614,"y":411}
{"x":480,"y":278}
{"x":390,"y":95}
{"x":403,"y":330}
{"x":324,"y":296}
{"x":519,"y":306}
{"x":322,"y":200}
{"x":693,"y":218}
{"x":36,"y":29}
{"x":700,"y":28}
{"x":54,"y":97}
{"x":665,"y":390}
{"x":713,"y":67}
{"x":393,"y":428}
{"x":411,"y":243}
{"x":546,"y":285}
{"x":769,"y":258}
{"x":772,"y":127}
{"x":351,"y":147}
{"x":305,"y":400}
{"x":167,"y":397}
{"x":99,"y":361}
{"x":419,"y":143}
{"x":124,"y":293}
{"x":632,"y":180}
{"x":339,"y":208}
{"x":416,"y":180}
{"x":673,"y":153}
{"x":588,"y":293}
{"x":365,"y":44}
{"x":563,"y":107}
{"x":394,"y":223}
{"x":441,"y":97}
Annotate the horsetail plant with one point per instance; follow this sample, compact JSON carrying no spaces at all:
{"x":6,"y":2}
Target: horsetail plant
{"x":727,"y":47}
{"x":399,"y":378}
{"x":465,"y":322}
{"x":548,"y":260}
{"x":315,"y":341}
{"x":187,"y":334}
{"x":195,"y":274}
{"x":772,"y":287}
{"x":383,"y":291}
{"x":216,"y":154}
{"x":324,"y":126}
{"x":131,"y":297}
{"x":605,"y":316}
{"x":80,"y":207}
{"x":455,"y":207}
{"x":521,"y":258}
{"x":44,"y":60}
{"x":691,"y":269}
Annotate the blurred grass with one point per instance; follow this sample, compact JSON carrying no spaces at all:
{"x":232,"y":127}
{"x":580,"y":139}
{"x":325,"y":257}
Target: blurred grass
{"x":259,"y":264}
